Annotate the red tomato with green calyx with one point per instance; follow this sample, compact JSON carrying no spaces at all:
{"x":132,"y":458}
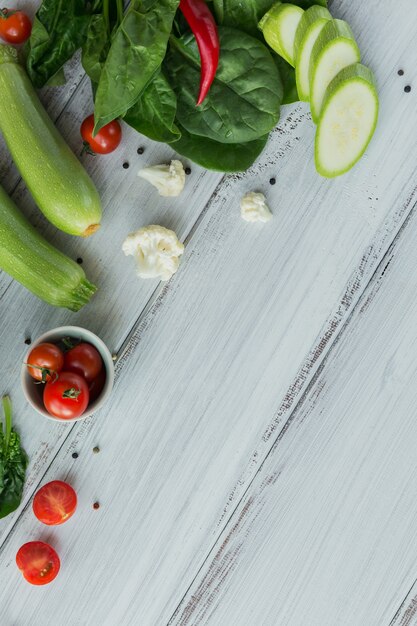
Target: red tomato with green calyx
{"x":67,"y":396}
{"x":38,"y":562}
{"x":105,"y":141}
{"x":45,"y":361}
{"x":15,"y":26}
{"x":55,"y":503}
{"x":84,"y":360}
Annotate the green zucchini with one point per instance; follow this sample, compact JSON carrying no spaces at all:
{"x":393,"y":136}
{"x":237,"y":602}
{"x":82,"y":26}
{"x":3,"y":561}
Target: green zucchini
{"x":309,"y":28}
{"x":334,"y":49}
{"x":56,"y":179}
{"x":28,"y":258}
{"x":279,"y":26}
{"x":347,"y":121}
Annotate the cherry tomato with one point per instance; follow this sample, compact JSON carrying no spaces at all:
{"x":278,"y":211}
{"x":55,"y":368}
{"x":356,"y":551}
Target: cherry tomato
{"x":85,"y":360}
{"x":96,"y":386}
{"x":15,"y":26}
{"x":54,"y":503}
{"x":106,"y":140}
{"x":67,"y":396}
{"x":38,"y":562}
{"x":45,"y":361}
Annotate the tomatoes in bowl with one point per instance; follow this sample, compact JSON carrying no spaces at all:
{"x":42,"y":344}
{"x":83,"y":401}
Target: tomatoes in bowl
{"x":38,"y":562}
{"x":54,"y":503}
{"x":84,"y":360}
{"x":45,"y":361}
{"x":83,"y":354}
{"x":67,"y":396}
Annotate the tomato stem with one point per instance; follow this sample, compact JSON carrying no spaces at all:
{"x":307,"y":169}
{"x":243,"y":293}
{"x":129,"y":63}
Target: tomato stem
{"x":72,"y":393}
{"x":87,"y":149}
{"x":45,"y":372}
{"x":70,"y":343}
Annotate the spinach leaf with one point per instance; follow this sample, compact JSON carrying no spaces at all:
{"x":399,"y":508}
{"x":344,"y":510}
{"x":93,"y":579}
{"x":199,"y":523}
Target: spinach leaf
{"x":58,"y":79}
{"x":221,"y":157}
{"x":136,"y":53}
{"x":244,"y":100}
{"x":153,"y":114}
{"x":58,"y":30}
{"x":95,"y":48}
{"x":242,"y":15}
{"x":246,"y":15}
{"x":13,"y":462}
{"x":287,"y":74}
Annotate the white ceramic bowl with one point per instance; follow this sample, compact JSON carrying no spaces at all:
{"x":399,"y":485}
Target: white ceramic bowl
{"x":33,"y":392}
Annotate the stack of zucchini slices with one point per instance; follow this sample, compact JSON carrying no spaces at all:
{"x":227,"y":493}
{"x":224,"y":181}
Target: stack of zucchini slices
{"x":341,"y":91}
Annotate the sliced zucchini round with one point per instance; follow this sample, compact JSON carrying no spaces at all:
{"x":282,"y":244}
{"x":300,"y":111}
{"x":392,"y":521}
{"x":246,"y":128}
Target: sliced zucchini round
{"x":335,"y":48}
{"x":279,"y":26}
{"x":347,"y":121}
{"x":309,"y":28}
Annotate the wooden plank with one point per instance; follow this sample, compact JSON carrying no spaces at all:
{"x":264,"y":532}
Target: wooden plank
{"x":195,"y":404}
{"x":211,"y":361}
{"x":325,"y":535}
{"x":128,"y":203}
{"x":407,"y":612}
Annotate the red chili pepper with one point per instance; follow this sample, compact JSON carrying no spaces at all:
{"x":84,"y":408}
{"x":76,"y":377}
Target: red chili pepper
{"x":202,"y":24}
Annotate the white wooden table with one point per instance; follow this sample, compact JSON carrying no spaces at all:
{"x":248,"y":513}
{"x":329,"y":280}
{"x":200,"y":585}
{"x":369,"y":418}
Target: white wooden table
{"x":258,"y":461}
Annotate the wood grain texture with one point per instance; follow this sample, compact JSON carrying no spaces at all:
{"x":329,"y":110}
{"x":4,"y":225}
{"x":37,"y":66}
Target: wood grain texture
{"x":326,"y":533}
{"x":407,"y":612}
{"x":128,"y":203}
{"x":218,"y":359}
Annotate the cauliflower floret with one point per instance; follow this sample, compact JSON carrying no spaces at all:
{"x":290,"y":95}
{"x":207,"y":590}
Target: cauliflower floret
{"x":156,"y":250}
{"x":253,"y":207}
{"x":168,"y":179}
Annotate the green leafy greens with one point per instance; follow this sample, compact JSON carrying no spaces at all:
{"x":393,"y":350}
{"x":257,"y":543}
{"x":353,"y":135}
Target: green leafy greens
{"x":13,"y":463}
{"x":154,"y":113}
{"x":144,"y":67}
{"x":246,"y":16}
{"x":244,"y":100}
{"x":58,"y":30}
{"x":223,"y":157}
{"x":137,"y":50}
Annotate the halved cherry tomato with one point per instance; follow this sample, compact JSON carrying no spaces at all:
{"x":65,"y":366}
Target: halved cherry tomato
{"x":45,"y":361}
{"x":96,"y":387}
{"x":85,"y":360}
{"x":67,"y":396}
{"x":54,"y":503}
{"x":38,"y":562}
{"x":15,"y":26}
{"x":105,"y":141}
